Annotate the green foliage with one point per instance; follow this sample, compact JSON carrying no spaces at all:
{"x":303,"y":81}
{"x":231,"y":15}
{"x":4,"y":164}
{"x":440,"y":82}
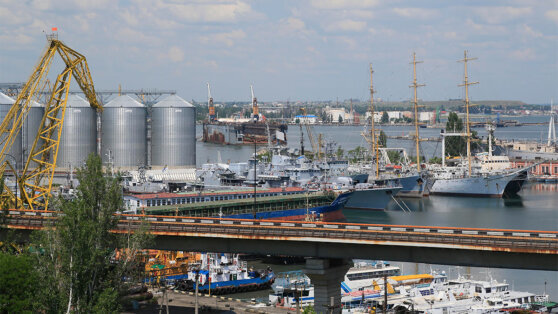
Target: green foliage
{"x":435,"y":160}
{"x":455,"y":145}
{"x":309,"y":310}
{"x":394,"y":156}
{"x":17,"y":284}
{"x":78,"y":268}
{"x":385,"y":117}
{"x":357,"y":154}
{"x":297,"y":121}
{"x":340,"y":119}
{"x":382,"y":139}
{"x":339,"y":153}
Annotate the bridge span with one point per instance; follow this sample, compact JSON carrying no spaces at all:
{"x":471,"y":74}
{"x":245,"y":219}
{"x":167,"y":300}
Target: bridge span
{"x":331,"y":245}
{"x":498,"y":248}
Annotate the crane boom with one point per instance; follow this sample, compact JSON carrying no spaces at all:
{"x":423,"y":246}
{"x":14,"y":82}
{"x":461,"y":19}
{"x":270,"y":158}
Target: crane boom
{"x":309,"y":131}
{"x":210,"y":105}
{"x":35,"y":182}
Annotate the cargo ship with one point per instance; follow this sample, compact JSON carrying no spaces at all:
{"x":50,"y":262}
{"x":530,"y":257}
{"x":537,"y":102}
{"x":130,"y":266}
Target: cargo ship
{"x":239,"y":131}
{"x":291,"y":203}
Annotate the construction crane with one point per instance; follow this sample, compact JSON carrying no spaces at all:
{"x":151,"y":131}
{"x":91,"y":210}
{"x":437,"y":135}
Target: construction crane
{"x":255,"y":113}
{"x":309,"y":132}
{"x":210,"y":105}
{"x":35,"y":180}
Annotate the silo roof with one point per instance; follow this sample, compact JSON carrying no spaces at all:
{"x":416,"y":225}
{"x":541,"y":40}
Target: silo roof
{"x":124,"y":101}
{"x":5,"y":99}
{"x":173,"y":101}
{"x":76,"y":101}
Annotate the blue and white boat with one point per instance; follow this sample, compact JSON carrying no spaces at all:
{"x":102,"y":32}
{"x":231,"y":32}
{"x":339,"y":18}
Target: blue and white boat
{"x":223,"y":274}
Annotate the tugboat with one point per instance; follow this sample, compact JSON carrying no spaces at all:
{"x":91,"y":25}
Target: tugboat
{"x":224,"y":274}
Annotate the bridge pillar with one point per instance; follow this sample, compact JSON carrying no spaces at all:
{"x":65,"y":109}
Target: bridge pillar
{"x":326,"y":276}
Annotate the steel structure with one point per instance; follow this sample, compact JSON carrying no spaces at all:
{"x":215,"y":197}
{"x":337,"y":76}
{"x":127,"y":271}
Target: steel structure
{"x":502,"y":248}
{"x":173,"y":133}
{"x":124,"y":133}
{"x":35,"y":182}
{"x":6,"y":103}
{"x":79,"y":135}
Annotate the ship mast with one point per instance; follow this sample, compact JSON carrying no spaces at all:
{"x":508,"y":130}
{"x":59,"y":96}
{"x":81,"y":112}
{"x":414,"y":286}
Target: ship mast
{"x":374,"y":144}
{"x":466,"y":84}
{"x":415,"y":102}
{"x":210,"y":105}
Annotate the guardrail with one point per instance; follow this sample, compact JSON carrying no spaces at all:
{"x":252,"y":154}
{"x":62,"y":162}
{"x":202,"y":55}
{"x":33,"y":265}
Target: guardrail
{"x":534,"y":241}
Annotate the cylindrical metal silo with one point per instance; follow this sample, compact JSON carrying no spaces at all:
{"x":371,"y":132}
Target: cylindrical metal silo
{"x":15,"y":151}
{"x":30,"y":129}
{"x":79,"y":133}
{"x":124,"y":139}
{"x":173,"y":133}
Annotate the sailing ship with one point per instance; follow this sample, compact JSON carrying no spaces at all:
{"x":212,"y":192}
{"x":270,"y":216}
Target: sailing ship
{"x":467,"y":179}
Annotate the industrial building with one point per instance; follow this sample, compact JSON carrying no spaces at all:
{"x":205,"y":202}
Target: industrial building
{"x":173,"y":134}
{"x":79,"y":134}
{"x":124,"y":133}
{"x":15,"y":152}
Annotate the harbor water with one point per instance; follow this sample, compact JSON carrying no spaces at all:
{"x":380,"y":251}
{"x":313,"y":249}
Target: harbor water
{"x":536,"y":208}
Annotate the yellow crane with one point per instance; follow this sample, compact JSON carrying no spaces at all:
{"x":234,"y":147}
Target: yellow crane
{"x":35,"y":180}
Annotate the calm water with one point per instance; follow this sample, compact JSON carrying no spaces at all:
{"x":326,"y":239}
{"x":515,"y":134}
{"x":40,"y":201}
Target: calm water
{"x":536,"y":208}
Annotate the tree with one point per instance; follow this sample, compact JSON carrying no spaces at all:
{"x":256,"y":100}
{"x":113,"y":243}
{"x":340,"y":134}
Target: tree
{"x":17,"y":284}
{"x":385,"y":117}
{"x":394,"y":156}
{"x":455,"y":145}
{"x":297,"y":121}
{"x":382,"y":139}
{"x":339,"y":153}
{"x":340,"y":119}
{"x":80,"y":269}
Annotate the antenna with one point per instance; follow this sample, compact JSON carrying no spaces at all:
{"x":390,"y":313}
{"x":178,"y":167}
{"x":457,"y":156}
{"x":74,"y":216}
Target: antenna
{"x":466,"y":84}
{"x":415,"y":102}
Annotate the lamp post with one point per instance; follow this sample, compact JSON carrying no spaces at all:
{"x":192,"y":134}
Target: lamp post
{"x":15,"y":175}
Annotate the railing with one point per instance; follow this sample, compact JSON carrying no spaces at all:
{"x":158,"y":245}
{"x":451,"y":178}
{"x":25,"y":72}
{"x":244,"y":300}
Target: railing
{"x":532,"y":241}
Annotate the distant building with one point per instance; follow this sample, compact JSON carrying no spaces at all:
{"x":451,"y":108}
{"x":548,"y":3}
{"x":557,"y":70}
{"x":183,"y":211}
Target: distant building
{"x":335,"y":113}
{"x":426,"y":116}
{"x":309,"y":118}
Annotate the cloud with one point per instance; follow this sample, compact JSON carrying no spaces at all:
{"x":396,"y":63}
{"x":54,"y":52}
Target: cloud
{"x":552,"y":15}
{"x":221,"y":13}
{"x":346,"y":26}
{"x":528,"y":31}
{"x":226,"y":38}
{"x":499,"y":15}
{"x":344,"y":4}
{"x":524,"y":54}
{"x":417,"y":13}
{"x":176,"y":54}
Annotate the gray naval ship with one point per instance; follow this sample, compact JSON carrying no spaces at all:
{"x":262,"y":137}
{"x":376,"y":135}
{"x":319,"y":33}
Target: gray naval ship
{"x":491,"y":176}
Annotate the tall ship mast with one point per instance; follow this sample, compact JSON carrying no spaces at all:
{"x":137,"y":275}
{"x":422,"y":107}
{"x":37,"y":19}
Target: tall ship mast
{"x":373,"y":140}
{"x":415,"y":103}
{"x":466,"y":84}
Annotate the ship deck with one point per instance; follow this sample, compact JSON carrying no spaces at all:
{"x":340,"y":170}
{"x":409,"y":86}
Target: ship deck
{"x":243,"y":206}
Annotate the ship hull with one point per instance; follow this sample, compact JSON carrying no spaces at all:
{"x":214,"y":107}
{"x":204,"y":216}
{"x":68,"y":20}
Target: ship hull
{"x":488,"y":186}
{"x":244,"y":133}
{"x":372,"y":199}
{"x":413,"y":186}
{"x":328,"y":213}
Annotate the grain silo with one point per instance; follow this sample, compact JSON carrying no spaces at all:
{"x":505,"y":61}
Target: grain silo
{"x":173,"y":133}
{"x":30,"y":129}
{"x":79,"y":133}
{"x":15,"y":151}
{"x":124,"y":138}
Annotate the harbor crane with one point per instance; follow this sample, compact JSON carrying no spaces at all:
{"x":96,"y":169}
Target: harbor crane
{"x":255,"y":113}
{"x":34,"y":184}
{"x":309,"y":131}
{"x":210,"y":105}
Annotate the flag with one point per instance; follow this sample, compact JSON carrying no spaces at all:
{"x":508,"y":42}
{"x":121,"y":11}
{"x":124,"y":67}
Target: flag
{"x":55,"y":29}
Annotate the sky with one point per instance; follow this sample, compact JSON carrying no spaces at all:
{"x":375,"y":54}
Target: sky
{"x":296,"y":50}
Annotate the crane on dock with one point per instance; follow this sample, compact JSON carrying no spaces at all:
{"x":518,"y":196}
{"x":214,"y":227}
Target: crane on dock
{"x":210,"y":106}
{"x":34,"y":184}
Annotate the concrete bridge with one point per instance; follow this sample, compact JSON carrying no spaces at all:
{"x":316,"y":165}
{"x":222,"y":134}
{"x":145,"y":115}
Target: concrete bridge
{"x":330,"y":245}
